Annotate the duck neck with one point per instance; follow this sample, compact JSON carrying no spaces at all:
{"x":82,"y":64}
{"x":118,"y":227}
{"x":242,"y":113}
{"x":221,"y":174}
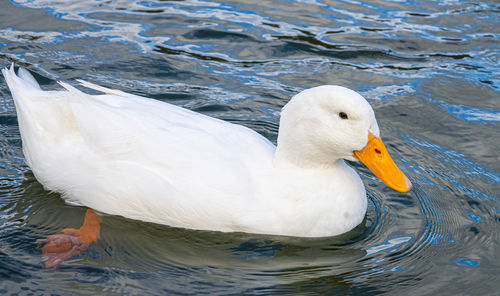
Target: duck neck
{"x":316,"y":176}
{"x":298,"y":156}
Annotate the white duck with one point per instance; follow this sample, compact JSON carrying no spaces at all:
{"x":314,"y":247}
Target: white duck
{"x":144,"y":159}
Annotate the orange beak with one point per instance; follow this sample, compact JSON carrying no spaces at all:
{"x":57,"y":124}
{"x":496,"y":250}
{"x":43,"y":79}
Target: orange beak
{"x":378,"y":160}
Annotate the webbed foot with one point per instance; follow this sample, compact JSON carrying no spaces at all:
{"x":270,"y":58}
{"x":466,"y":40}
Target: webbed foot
{"x":59,"y":247}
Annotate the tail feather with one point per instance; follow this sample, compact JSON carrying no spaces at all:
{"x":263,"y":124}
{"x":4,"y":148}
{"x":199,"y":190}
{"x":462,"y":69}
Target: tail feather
{"x":28,"y":78}
{"x":22,"y":80}
{"x":72,"y":90}
{"x":20,"y":87}
{"x":23,"y":88}
{"x":37,"y":110}
{"x":103,"y":89}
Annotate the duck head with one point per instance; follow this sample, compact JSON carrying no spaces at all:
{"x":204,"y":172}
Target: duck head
{"x":320,"y":125}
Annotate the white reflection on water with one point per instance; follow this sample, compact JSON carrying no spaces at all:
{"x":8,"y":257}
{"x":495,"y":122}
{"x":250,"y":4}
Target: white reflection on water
{"x":389,"y":244}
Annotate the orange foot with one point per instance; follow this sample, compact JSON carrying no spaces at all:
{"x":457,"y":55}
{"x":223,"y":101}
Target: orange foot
{"x":59,"y":247}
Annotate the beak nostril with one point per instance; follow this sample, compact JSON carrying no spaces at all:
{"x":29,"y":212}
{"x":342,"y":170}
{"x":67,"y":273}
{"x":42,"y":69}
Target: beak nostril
{"x":378,"y":151}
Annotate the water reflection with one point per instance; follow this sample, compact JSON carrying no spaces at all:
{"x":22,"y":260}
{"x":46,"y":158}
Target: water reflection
{"x":428,"y":69}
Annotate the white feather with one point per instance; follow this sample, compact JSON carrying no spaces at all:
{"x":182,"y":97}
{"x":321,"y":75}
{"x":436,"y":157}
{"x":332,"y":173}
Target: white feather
{"x":144,"y":159}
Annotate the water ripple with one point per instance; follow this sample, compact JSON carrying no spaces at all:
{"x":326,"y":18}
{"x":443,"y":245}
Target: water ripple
{"x":428,"y":69}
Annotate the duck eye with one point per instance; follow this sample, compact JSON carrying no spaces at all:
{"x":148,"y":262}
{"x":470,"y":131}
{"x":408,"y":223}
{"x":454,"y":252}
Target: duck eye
{"x":343,"y":115}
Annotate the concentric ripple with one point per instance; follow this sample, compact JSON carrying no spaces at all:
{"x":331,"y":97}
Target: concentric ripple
{"x":429,"y":69}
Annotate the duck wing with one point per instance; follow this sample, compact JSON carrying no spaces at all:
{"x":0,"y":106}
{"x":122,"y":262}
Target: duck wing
{"x":141,"y":158}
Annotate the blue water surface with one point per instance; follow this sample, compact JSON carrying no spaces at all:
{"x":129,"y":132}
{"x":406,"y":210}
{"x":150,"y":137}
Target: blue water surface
{"x":429,"y":69}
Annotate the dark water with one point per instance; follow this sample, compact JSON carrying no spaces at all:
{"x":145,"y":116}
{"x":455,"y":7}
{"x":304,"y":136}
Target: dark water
{"x":429,"y":69}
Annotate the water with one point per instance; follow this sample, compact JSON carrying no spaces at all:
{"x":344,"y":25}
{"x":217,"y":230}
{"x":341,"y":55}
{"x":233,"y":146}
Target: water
{"x":429,"y":69}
